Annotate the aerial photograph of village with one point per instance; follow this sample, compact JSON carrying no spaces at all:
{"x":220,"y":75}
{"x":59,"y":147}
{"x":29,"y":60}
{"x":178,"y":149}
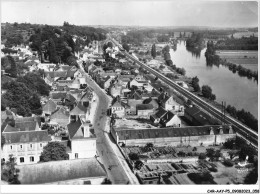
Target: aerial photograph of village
{"x":129,"y":93}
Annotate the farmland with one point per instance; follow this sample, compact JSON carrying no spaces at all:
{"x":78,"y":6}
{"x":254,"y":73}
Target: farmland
{"x":248,"y":59}
{"x":245,"y":34}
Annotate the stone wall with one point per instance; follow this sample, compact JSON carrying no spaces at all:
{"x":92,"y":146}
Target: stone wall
{"x":181,"y":141}
{"x":60,"y":171}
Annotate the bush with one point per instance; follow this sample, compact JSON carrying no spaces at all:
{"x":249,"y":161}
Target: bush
{"x":228,"y":163}
{"x":181,"y":154}
{"x":213,"y":169}
{"x":133,"y":156}
{"x":201,"y":178}
{"x":202,"y":156}
{"x":194,"y":149}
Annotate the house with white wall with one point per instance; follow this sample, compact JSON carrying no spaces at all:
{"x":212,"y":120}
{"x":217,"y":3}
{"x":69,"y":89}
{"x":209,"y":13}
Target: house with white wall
{"x":82,"y":142}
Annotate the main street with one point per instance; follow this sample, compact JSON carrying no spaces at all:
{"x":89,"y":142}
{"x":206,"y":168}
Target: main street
{"x":248,"y":134}
{"x":108,"y":153}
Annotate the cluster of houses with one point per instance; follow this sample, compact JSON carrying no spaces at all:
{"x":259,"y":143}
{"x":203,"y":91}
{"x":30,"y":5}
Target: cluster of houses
{"x":67,"y":111}
{"x":134,"y":96}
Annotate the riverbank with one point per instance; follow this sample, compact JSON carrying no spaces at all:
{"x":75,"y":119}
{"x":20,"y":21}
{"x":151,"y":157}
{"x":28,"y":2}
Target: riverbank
{"x":219,"y":59}
{"x":242,"y":116}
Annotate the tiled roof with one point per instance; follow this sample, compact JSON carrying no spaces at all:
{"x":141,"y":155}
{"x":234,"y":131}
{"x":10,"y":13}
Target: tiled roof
{"x":151,"y":101}
{"x":61,"y":116}
{"x":64,"y":82}
{"x":160,"y":112}
{"x":70,"y":98}
{"x":137,"y":95}
{"x":144,"y":106}
{"x":54,"y":74}
{"x":199,"y":116}
{"x":170,"y":132}
{"x":26,"y":137}
{"x":26,"y":126}
{"x":163,"y":97}
{"x":79,"y":109}
{"x":28,"y":119}
{"x":71,"y":73}
{"x":192,"y":110}
{"x":9,"y":128}
{"x":73,"y":127}
{"x":167,"y":117}
{"x":58,"y":95}
{"x":49,"y":107}
{"x":65,"y":67}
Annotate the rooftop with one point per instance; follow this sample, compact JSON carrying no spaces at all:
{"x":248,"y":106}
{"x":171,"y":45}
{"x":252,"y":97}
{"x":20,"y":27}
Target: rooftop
{"x":26,"y":137}
{"x":171,"y":132}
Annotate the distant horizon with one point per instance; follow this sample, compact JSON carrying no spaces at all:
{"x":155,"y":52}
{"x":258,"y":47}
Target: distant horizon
{"x":108,"y":25}
{"x":210,"y":14}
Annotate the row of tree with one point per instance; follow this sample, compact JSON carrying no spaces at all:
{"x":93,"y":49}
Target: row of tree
{"x":246,"y":117}
{"x":213,"y":59}
{"x":242,"y":71}
{"x":244,"y":43}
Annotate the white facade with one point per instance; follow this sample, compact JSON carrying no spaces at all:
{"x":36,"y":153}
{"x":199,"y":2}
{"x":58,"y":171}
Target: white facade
{"x":25,"y":153}
{"x":83,"y":148}
{"x":175,"y":121}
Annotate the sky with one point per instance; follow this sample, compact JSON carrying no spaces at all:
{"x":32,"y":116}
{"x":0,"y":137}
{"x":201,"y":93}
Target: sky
{"x":132,"y":12}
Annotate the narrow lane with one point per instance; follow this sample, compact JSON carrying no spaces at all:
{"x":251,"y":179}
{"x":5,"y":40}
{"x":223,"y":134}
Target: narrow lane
{"x":108,"y":152}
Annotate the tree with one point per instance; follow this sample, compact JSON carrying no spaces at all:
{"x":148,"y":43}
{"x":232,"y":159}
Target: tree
{"x":207,"y":92}
{"x":232,"y":154}
{"x":133,"y":156}
{"x":110,"y":44}
{"x":52,"y":52}
{"x":9,"y":172}
{"x":252,"y":176}
{"x":126,"y":47}
{"x":106,"y":181}
{"x":54,"y":151}
{"x":10,"y":65}
{"x":153,"y":51}
{"x":2,"y":140}
{"x":34,"y":82}
{"x":18,"y":96}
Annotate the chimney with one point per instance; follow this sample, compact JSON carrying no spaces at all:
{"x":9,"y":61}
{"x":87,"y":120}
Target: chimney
{"x":86,"y":130}
{"x":230,"y":130}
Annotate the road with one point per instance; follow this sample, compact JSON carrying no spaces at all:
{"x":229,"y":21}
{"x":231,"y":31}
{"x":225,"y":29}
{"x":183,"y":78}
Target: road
{"x":109,"y":154}
{"x":248,"y":134}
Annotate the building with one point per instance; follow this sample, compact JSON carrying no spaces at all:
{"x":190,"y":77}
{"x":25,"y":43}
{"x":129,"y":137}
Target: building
{"x":49,"y":107}
{"x":144,"y":110}
{"x":118,"y":107}
{"x":151,"y":101}
{"x":82,"y":142}
{"x":197,"y":117}
{"x":130,"y":109}
{"x":60,"y":117}
{"x":154,"y":64}
{"x":169,"y":103}
{"x":81,"y":111}
{"x":175,"y":136}
{"x":170,"y":120}
{"x":24,"y":143}
{"x":160,"y":112}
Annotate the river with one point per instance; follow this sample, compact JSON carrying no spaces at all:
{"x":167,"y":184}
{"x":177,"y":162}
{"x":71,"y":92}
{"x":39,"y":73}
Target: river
{"x":235,"y":90}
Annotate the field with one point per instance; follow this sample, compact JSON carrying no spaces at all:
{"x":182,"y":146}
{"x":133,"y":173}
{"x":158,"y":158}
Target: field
{"x":248,"y":59}
{"x":245,"y":34}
